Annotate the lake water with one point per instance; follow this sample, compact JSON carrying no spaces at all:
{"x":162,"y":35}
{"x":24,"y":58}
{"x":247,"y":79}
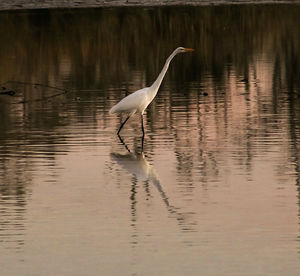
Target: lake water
{"x":215,"y":190}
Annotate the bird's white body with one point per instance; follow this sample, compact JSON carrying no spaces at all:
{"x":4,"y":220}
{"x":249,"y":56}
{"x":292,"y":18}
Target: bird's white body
{"x":135,"y":102}
{"x":140,"y":99}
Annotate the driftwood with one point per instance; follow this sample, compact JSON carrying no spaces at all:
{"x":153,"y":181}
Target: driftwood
{"x":15,"y":93}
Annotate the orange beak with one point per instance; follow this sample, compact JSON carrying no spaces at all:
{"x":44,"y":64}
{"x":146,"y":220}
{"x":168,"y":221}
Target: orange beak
{"x":189,"y":50}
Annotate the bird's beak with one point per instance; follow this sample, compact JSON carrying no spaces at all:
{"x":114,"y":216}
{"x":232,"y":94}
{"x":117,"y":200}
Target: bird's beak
{"x":188,"y":50}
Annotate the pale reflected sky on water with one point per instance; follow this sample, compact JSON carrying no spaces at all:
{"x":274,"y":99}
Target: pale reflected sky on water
{"x":216,"y":190}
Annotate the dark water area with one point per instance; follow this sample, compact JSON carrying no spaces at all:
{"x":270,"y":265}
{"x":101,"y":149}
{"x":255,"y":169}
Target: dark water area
{"x":216,"y":188}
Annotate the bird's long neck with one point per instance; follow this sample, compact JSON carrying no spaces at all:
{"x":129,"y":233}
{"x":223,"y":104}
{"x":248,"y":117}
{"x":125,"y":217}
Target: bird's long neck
{"x":155,"y":86}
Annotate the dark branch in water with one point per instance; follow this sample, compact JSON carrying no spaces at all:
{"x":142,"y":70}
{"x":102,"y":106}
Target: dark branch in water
{"x":9,"y":93}
{"x":44,"y":98}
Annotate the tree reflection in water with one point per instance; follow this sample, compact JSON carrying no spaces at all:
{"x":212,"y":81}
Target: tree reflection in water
{"x":232,"y":104}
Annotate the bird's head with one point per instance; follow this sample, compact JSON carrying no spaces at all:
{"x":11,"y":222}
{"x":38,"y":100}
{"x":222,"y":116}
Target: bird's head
{"x":182,"y":50}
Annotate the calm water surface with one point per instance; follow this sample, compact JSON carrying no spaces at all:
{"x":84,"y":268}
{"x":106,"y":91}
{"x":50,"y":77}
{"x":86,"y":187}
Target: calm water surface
{"x":216,"y":190}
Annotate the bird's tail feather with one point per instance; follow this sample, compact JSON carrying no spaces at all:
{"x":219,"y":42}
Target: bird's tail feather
{"x":112,"y":110}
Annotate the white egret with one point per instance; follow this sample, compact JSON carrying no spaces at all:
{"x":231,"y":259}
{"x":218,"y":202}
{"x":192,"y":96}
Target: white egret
{"x":140,"y":99}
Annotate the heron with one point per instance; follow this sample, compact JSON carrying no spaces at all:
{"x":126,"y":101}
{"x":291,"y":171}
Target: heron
{"x":139,"y":100}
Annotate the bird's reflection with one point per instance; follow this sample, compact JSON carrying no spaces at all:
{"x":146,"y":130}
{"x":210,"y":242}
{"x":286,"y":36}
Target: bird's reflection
{"x":138,"y":166}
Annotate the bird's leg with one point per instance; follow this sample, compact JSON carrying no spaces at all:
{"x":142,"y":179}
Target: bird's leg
{"x":142,"y":150}
{"x":123,"y":125}
{"x":124,"y":144}
{"x":142,"y":125}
